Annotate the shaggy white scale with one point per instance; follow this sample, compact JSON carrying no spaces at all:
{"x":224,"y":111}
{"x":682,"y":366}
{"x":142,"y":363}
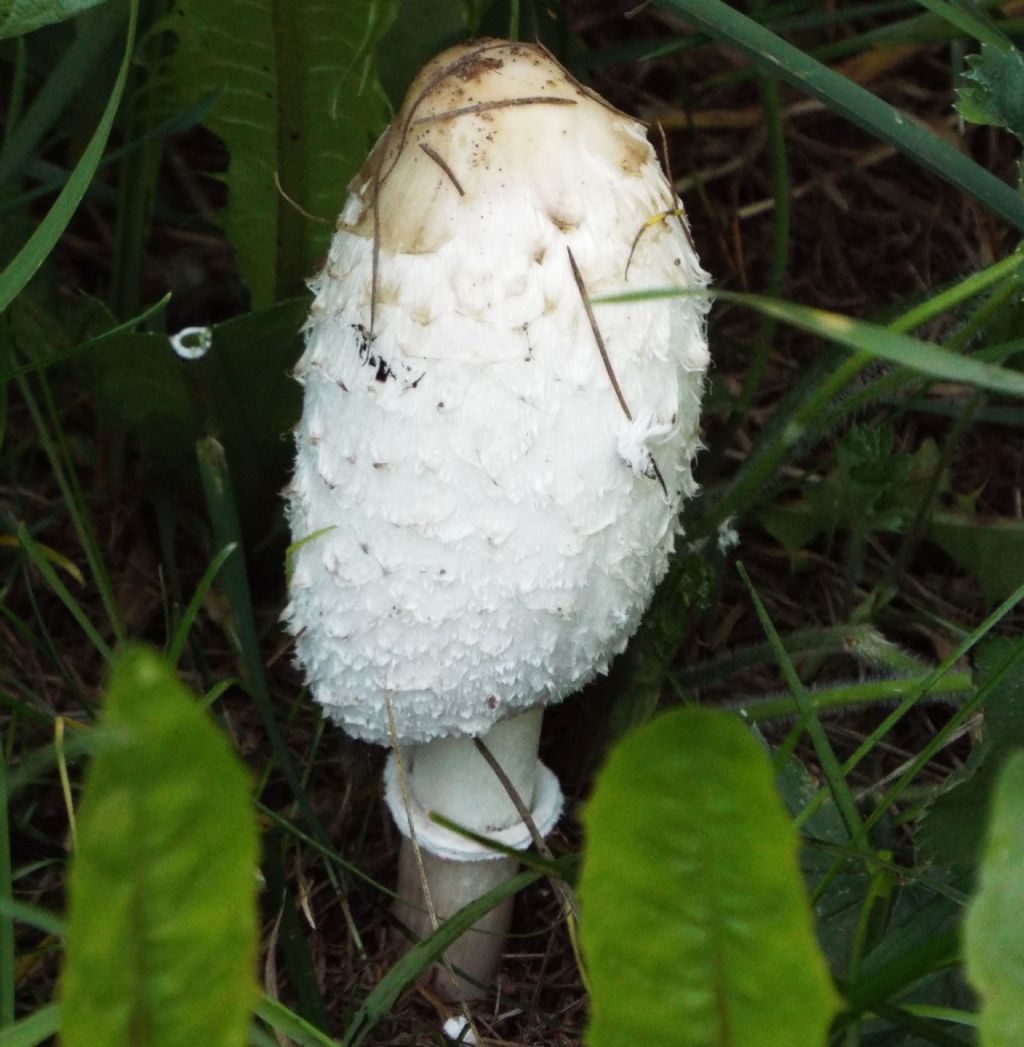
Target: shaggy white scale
{"x":482,"y":524}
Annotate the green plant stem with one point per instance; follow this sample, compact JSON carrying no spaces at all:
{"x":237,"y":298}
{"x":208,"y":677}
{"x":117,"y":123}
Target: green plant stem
{"x":849,"y":695}
{"x":840,"y":639}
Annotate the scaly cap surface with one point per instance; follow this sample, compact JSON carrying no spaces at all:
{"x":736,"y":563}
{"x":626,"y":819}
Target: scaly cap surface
{"x":488,"y":476}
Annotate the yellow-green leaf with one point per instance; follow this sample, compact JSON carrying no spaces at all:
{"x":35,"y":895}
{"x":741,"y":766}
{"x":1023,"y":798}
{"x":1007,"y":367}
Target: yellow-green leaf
{"x":162,"y":931}
{"x":695,"y":925}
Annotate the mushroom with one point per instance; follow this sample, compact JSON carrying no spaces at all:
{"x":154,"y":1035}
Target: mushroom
{"x":489,"y":466}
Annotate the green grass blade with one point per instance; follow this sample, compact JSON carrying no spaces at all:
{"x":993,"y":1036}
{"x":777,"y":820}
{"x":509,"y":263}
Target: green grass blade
{"x":916,"y":691}
{"x":778,"y":58}
{"x":45,"y":362}
{"x":6,"y":923}
{"x":37,"y":1027}
{"x":194,"y":605}
{"x":32,"y":255}
{"x":994,"y":925}
{"x":407,"y":969}
{"x":841,"y":793}
{"x":288,"y":1023}
{"x":80,"y":61}
{"x":62,"y":592}
{"x":886,"y":344}
{"x":802,"y":414}
{"x":19,"y":16}
{"x":32,"y":916}
{"x":969,"y":22}
{"x":227,"y":530}
{"x":868,"y":340}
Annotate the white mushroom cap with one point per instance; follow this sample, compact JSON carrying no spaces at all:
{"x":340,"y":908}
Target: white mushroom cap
{"x":484,"y":503}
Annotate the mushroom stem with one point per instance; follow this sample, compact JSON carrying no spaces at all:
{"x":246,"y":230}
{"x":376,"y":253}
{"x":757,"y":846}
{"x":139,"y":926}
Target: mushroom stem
{"x":450,"y":777}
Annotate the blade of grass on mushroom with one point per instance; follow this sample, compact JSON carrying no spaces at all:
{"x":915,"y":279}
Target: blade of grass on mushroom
{"x":861,"y":107}
{"x":871,"y":339}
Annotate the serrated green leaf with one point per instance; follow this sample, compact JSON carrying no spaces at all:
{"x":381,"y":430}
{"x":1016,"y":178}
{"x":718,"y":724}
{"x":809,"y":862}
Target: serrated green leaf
{"x":695,"y":926}
{"x":994,"y":93}
{"x":994,"y":925}
{"x":162,"y":931}
{"x":22,"y":16}
{"x":298,"y":102}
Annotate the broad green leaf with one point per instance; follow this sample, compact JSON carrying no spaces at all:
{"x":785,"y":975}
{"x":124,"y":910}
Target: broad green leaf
{"x":994,"y":92}
{"x":775,"y":56}
{"x":22,"y":16}
{"x":994,"y":925}
{"x":162,"y":929}
{"x":25,"y":263}
{"x":992,"y":549}
{"x":239,"y":388}
{"x":298,"y":101}
{"x":695,"y":926}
